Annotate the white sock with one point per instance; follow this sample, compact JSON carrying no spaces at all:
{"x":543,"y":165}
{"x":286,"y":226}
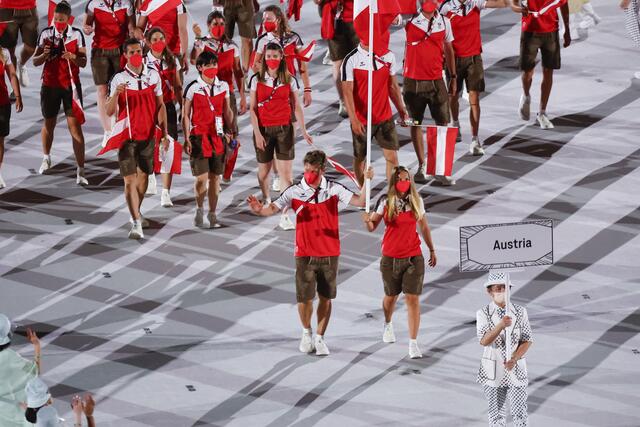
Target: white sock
{"x":47,"y":157}
{"x":165,"y":191}
{"x":136,"y":222}
{"x":411,"y":341}
{"x":80,"y":171}
{"x":542,"y":112}
{"x":319,"y":337}
{"x":306,"y":330}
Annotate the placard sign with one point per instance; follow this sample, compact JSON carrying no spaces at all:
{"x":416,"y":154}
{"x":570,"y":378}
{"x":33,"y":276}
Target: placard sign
{"x":511,"y":245}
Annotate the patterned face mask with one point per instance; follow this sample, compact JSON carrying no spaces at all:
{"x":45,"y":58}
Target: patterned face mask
{"x":498,"y":297}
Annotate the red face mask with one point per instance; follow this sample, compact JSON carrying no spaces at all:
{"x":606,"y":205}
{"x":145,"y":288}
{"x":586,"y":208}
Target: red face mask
{"x":429,"y":6}
{"x":403,"y":186}
{"x":210,"y":73}
{"x":60,"y":26}
{"x":217,"y":31}
{"x":135,"y":60}
{"x":273,"y":64}
{"x":269,"y":26}
{"x":311,"y":177}
{"x":158,"y":46}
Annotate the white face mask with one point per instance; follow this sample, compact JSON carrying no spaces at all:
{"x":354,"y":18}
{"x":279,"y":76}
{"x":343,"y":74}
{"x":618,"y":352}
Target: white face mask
{"x":498,"y":297}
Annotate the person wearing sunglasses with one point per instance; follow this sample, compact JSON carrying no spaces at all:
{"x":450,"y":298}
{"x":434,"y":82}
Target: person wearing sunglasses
{"x":402,"y":263}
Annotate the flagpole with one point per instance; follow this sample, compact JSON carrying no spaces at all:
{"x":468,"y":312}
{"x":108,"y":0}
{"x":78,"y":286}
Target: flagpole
{"x":369,"y":104}
{"x":507,"y":298}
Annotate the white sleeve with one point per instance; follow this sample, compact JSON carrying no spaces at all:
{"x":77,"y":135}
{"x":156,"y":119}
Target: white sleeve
{"x":448,"y":33}
{"x":481,"y":4}
{"x":380,"y":206}
{"x":158,"y":81}
{"x":482,"y":324}
{"x":261,"y":45}
{"x":346,"y":71}
{"x":130,"y":9}
{"x":236,"y":51}
{"x":225,"y":87}
{"x":253,"y":82}
{"x":284,"y":201}
{"x":178,"y":64}
{"x":115,"y":81}
{"x":90,"y":7}
{"x":188,"y":94}
{"x":343,"y":193}
{"x":182,"y":9}
{"x":7,"y":57}
{"x":295,"y":86}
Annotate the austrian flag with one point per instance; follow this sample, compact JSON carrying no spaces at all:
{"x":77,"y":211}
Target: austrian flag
{"x":384,"y":12}
{"x":156,"y":9}
{"x":441,"y":144}
{"x":119,"y":135}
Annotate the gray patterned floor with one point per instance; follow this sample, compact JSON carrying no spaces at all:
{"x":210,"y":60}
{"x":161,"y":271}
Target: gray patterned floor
{"x":194,"y":327}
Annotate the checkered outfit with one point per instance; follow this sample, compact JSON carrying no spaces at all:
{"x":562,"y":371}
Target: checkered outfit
{"x":632,"y":21}
{"x":511,"y":385}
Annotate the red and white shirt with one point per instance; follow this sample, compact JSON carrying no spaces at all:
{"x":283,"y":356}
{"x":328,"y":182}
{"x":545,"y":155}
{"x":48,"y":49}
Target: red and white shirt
{"x":207,"y":104}
{"x":4,"y":94}
{"x":18,"y":4}
{"x":290,"y":42}
{"x":545,"y":23}
{"x":227,"y":53}
{"x":274,"y":99}
{"x":317,"y":229}
{"x":141,"y":93}
{"x":111,"y":18}
{"x":169,"y":24}
{"x":354,"y":69}
{"x":400,"y":238}
{"x":465,"y":23}
{"x":56,"y":72}
{"x":425,"y":46}
{"x":167,"y":75}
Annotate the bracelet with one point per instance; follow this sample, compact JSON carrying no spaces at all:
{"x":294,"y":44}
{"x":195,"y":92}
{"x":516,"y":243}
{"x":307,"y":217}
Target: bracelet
{"x":307,"y":89}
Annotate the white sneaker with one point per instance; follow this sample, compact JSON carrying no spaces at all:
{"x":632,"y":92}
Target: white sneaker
{"x":136,"y":232}
{"x":414,"y":350}
{"x":525,"y":107}
{"x":144,"y":222}
{"x":286,"y":223}
{"x":388,"y":335}
{"x":152,"y":186}
{"x":544,"y":121}
{"x":81,"y":180}
{"x":445,"y":180}
{"x":476,"y":147}
{"x":45,"y":165}
{"x":342,"y":111}
{"x":198,"y":219}
{"x":327,"y":59}
{"x":23,"y":75}
{"x":165,"y":199}
{"x":2,"y":183}
{"x":306,"y":344}
{"x":275,"y":184}
{"x":321,"y":347}
{"x":421,"y":176}
{"x":213,"y":220}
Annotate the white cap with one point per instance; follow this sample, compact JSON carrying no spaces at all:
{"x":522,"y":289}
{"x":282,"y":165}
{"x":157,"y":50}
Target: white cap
{"x":5,"y":330}
{"x":47,"y":417}
{"x":37,"y":393}
{"x":497,"y":278}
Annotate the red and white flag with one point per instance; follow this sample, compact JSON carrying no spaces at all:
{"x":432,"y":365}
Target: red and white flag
{"x":337,"y":166}
{"x":169,"y":161}
{"x":51,"y":11}
{"x":441,"y":144}
{"x":156,"y":9}
{"x":78,"y":111}
{"x":385,"y":11}
{"x":119,"y":135}
{"x":306,"y":54}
